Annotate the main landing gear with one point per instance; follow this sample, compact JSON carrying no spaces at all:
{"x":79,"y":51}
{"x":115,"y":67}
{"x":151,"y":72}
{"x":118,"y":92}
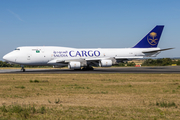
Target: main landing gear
{"x":22,"y":68}
{"x":88,"y":68}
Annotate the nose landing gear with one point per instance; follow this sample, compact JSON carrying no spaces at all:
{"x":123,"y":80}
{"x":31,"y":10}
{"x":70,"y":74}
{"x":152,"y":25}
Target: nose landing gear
{"x":22,"y":68}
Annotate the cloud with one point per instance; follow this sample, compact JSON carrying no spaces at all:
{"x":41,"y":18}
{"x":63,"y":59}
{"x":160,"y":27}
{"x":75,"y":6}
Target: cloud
{"x":15,"y":15}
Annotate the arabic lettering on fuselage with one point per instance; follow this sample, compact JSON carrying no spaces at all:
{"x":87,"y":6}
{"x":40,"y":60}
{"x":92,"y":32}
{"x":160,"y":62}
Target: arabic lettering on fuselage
{"x":73,"y":53}
{"x":60,"y":53}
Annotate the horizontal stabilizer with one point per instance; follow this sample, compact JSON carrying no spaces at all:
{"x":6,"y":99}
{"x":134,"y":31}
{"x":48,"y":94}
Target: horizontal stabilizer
{"x":157,"y":50}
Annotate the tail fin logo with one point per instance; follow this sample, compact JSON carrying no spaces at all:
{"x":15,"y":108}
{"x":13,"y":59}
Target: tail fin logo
{"x":152,"y":38}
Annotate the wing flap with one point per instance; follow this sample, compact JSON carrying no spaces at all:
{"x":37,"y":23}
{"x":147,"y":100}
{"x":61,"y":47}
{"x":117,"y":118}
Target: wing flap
{"x":98,"y":59}
{"x":136,"y":57}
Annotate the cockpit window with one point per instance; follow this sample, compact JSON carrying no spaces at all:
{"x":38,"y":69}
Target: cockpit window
{"x":17,"y":49}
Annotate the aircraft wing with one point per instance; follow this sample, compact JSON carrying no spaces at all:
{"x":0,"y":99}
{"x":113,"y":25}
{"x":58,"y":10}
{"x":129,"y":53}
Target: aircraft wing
{"x":78,"y":59}
{"x":89,"y":60}
{"x":64,"y":60}
{"x":128,"y":58}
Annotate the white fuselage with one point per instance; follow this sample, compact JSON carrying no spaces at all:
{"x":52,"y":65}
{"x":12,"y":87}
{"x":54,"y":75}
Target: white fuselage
{"x":42,"y":55}
{"x":86,"y":58}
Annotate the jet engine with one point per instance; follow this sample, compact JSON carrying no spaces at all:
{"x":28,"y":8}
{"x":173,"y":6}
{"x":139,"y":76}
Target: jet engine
{"x":105,"y":63}
{"x":74,"y":65}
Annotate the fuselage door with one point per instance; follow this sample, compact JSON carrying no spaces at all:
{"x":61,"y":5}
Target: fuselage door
{"x":29,"y":57}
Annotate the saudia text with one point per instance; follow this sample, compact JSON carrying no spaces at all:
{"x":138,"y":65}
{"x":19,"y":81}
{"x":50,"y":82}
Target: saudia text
{"x":72,"y":53}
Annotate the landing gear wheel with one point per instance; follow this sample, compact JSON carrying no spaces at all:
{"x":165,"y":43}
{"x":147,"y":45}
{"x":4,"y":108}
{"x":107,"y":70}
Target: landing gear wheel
{"x":91,"y":68}
{"x":22,"y":68}
{"x":88,"y":68}
{"x":77,"y":69}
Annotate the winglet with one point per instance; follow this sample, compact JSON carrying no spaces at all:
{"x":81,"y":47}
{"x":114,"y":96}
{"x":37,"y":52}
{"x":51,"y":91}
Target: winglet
{"x":151,"y":40}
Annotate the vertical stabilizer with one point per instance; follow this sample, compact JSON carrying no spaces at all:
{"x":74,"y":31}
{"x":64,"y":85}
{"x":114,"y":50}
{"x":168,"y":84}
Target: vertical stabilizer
{"x":151,"y":40}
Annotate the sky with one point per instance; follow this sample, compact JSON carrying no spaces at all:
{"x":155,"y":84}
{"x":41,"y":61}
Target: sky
{"x":88,"y":23}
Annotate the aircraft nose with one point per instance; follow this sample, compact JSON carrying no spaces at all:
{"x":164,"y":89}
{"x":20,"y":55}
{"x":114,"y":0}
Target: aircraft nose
{"x":8,"y":57}
{"x":5,"y":57}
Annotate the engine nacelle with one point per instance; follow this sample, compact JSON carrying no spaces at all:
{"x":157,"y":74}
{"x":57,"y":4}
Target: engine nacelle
{"x":105,"y":63}
{"x":74,"y":65}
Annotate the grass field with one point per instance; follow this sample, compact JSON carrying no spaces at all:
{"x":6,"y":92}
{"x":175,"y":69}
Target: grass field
{"x":90,"y":96}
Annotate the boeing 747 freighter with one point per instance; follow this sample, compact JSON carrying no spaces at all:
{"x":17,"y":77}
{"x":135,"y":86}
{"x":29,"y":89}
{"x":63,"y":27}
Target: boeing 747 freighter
{"x":86,"y":58}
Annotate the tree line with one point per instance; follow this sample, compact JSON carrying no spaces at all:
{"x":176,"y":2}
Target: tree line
{"x":153,"y":62}
{"x":5,"y":64}
{"x":160,"y":62}
{"x":147,"y":62}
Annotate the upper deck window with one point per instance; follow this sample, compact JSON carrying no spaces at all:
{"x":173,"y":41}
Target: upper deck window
{"x":17,"y":49}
